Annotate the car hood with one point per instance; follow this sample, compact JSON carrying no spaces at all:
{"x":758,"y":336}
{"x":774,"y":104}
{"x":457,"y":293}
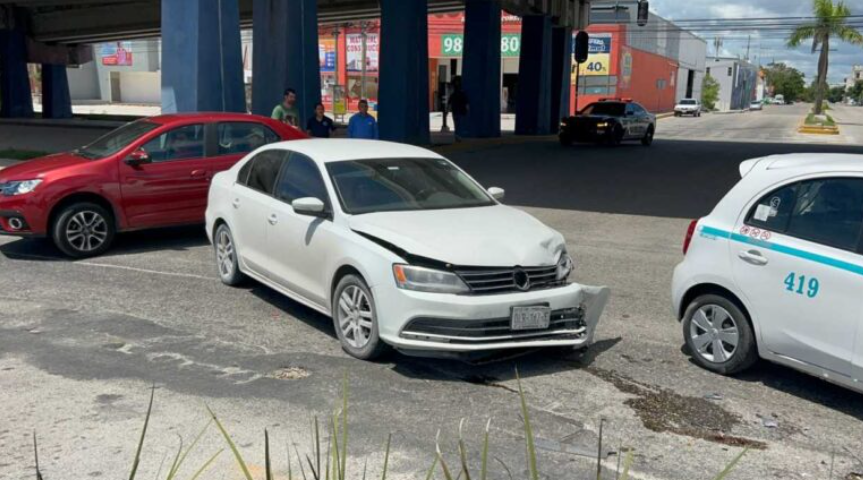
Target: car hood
{"x":494,"y":236}
{"x":596,"y":118}
{"x":36,"y":168}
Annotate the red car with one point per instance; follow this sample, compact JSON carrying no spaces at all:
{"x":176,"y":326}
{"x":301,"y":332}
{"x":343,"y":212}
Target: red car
{"x":153,"y":172}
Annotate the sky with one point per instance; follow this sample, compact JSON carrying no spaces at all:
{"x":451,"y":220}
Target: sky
{"x":768,"y":46}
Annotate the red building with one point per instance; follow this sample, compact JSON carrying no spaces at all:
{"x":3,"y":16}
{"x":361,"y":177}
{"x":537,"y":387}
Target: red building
{"x":615,"y":68}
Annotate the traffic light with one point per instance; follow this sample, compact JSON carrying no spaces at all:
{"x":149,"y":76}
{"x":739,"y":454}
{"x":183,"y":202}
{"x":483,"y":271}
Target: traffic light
{"x":643,"y":12}
{"x":581,"y":46}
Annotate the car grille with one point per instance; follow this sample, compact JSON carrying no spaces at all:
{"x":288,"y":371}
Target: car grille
{"x":484,"y":280}
{"x":565,"y":323}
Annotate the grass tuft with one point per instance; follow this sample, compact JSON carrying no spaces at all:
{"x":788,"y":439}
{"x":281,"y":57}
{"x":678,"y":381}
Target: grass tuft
{"x":137,"y":460}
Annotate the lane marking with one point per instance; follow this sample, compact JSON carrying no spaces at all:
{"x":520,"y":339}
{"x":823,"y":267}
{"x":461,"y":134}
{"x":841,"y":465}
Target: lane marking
{"x":16,"y":256}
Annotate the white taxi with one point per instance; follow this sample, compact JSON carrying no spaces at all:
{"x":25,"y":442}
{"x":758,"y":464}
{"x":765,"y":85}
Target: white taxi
{"x":776,"y":270}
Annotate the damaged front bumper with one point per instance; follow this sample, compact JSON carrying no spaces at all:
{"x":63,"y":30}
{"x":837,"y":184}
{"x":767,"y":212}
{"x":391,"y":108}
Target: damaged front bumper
{"x":417,"y":322}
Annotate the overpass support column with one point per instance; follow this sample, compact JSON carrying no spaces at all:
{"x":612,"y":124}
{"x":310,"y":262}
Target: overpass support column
{"x":285,"y":56}
{"x":533,"y":106}
{"x":15,"y":98}
{"x":56,"y":99}
{"x":202,"y":67}
{"x":404,"y":71}
{"x":481,"y":71}
{"x":561,"y":67}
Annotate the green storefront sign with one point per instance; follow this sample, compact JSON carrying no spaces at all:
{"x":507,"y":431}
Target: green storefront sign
{"x":452,"y":44}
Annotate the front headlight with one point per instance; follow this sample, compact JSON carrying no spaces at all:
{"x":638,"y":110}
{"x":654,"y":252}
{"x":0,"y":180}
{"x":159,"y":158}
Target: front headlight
{"x":564,"y":266}
{"x":422,"y":279}
{"x":602,"y":125}
{"x":19,"y":188}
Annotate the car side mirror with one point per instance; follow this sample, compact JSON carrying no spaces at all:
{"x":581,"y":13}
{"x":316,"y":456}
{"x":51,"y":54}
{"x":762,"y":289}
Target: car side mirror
{"x":311,"y":206}
{"x":497,"y":193}
{"x":138,"y":157}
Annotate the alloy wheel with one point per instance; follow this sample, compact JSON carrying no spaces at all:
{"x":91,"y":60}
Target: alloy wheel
{"x":225,"y":254}
{"x":86,"y":231}
{"x":714,"y":333}
{"x":355,"y":316}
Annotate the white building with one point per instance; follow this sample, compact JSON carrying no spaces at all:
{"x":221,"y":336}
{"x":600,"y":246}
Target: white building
{"x":738,"y":80}
{"x":856,"y":76}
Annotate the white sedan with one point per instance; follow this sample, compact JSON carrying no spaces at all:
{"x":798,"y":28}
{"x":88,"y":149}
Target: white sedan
{"x":400,"y":247}
{"x":776,"y":270}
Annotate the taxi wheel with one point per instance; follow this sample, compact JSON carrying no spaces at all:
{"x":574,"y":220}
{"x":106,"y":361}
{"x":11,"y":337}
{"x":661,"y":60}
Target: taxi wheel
{"x":83,"y":230}
{"x":355,"y":319}
{"x":647,"y":140}
{"x":718,"y":335}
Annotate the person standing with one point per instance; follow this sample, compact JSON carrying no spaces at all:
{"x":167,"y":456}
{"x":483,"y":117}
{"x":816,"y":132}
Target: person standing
{"x":363,"y":125}
{"x":460,"y":107}
{"x":320,"y":125}
{"x":286,"y":111}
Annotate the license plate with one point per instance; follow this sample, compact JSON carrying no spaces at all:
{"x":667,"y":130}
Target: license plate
{"x":600,"y":131}
{"x":530,"y":318}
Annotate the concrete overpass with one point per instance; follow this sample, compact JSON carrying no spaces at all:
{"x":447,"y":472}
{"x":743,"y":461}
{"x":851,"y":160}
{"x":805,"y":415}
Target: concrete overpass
{"x":201,"y":54}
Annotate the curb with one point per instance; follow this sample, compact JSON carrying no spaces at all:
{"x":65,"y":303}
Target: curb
{"x":816,"y":129}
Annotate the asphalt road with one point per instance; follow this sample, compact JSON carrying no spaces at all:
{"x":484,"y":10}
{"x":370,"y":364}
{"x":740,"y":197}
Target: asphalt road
{"x":81,"y":343}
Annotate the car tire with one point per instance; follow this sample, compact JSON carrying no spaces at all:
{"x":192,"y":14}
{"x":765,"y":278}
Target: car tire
{"x":83,"y":230}
{"x":355,"y":319}
{"x":647,"y":139}
{"x":707,"y":317}
{"x":227,"y":258}
{"x":616,"y":137}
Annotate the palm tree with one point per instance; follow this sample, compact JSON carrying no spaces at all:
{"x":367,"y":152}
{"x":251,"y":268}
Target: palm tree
{"x":830,"y":21}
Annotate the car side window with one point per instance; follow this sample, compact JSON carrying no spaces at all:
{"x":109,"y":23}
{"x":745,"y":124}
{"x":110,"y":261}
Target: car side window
{"x":301,"y":178}
{"x":630,"y":109}
{"x":264,"y":170}
{"x":242,"y":137}
{"x":827,"y":211}
{"x":181,"y":143}
{"x":773,"y":210}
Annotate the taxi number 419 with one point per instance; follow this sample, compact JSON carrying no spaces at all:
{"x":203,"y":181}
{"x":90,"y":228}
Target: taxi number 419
{"x":800,"y":285}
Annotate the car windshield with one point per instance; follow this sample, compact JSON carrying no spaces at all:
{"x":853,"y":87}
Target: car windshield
{"x":612,"y":109}
{"x":116,"y":140}
{"x":400,"y":184}
{"x":687,"y":102}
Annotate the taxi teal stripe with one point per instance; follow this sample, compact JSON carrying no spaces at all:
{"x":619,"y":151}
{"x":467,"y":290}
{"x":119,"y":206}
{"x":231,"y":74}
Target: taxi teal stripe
{"x":794,"y":252}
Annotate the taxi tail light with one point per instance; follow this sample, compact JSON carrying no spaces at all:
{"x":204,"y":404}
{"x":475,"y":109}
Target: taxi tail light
{"x":689,"y":233}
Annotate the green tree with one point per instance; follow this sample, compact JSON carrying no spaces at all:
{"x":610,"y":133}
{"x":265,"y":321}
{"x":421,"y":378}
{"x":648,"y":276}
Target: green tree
{"x":856,"y":92}
{"x":786,"y":81}
{"x":831,"y":21}
{"x":836,"y":94}
{"x":709,"y":92}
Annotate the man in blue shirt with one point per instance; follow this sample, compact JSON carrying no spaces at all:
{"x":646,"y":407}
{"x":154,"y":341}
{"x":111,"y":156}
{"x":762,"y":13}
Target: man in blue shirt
{"x":363,"y":125}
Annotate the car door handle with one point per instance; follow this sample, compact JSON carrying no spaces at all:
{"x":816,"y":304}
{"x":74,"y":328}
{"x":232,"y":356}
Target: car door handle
{"x":236,"y":203}
{"x":273,"y":219}
{"x":753,"y":256}
{"x":199,"y":173}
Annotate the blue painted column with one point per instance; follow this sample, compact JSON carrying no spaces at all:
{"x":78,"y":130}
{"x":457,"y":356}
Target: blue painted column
{"x":56,"y":99}
{"x":481,"y":71}
{"x":533,"y":106}
{"x":285,"y":45}
{"x":15,"y":98}
{"x":561,"y":71}
{"x":202,"y":67}
{"x":404,"y":74}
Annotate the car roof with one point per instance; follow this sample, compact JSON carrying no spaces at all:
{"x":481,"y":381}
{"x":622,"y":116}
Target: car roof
{"x":802,"y":163}
{"x":204,"y":116}
{"x":340,"y":149}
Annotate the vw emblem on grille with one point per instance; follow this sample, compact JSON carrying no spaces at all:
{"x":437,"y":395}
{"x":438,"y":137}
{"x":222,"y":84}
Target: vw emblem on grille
{"x":521,"y":279}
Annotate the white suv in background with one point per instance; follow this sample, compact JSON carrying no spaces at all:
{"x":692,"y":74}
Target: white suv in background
{"x":400,"y":247}
{"x":776,"y":270}
{"x":688,"y":106}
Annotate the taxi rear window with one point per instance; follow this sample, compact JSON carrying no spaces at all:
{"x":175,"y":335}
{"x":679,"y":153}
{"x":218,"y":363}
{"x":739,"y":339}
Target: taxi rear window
{"x":828,"y":211}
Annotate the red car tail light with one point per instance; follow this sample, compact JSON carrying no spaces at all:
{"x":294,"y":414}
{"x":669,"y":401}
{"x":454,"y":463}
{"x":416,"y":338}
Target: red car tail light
{"x":689,"y":233}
